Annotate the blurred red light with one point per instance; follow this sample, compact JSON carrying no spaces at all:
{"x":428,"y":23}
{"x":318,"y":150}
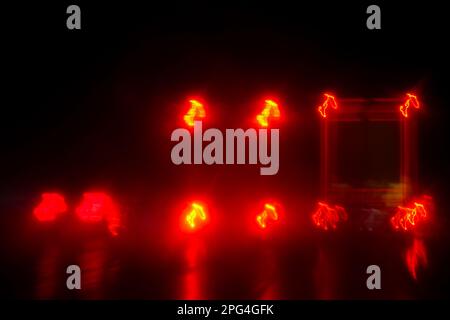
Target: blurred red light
{"x":269,"y":214}
{"x":411,"y":101}
{"x":195,"y":112}
{"x":330,"y":101}
{"x":98,"y":206}
{"x":50,"y":207}
{"x":270,"y":111}
{"x":327,"y":217}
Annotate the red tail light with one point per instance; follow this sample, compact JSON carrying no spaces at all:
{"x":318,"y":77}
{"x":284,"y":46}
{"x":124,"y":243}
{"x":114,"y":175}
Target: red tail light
{"x":411,"y":101}
{"x":270,"y":112}
{"x":195,"y":112}
{"x":327,"y":217}
{"x":268,"y":215}
{"x":97,"y":207}
{"x":195,"y":216}
{"x":50,"y":207}
{"x":330,"y":101}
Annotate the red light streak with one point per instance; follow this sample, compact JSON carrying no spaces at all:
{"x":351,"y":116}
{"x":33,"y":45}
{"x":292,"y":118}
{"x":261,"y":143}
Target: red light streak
{"x":50,"y":207}
{"x":270,"y":111}
{"x":195,"y":112}
{"x":330,"y":101}
{"x":196,"y":216}
{"x":327,"y":217}
{"x":98,"y":206}
{"x":269,"y":214}
{"x":411,"y":101}
{"x":415,"y":256}
{"x":408,"y":218}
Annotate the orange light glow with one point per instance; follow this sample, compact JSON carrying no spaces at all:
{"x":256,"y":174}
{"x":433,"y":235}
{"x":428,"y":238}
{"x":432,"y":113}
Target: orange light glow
{"x":270,"y":111}
{"x":330,"y":101}
{"x":408,"y":218}
{"x":98,"y":206}
{"x":269,"y":213}
{"x":411,"y":101}
{"x":50,"y":207}
{"x":196,"y":216}
{"x":416,"y":256}
{"x":327,"y":217}
{"x":195,"y":112}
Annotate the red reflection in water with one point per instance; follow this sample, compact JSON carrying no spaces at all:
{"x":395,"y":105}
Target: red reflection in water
{"x":50,"y":207}
{"x":92,"y":264}
{"x":194,"y":253}
{"x":98,"y":206}
{"x":47,"y":271}
{"x":269,"y":276}
{"x":416,"y":256}
{"x":324,"y":276}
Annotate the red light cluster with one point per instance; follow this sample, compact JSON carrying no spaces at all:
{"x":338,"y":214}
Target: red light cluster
{"x":269,"y":113}
{"x":95,"y":207}
{"x":411,"y":101}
